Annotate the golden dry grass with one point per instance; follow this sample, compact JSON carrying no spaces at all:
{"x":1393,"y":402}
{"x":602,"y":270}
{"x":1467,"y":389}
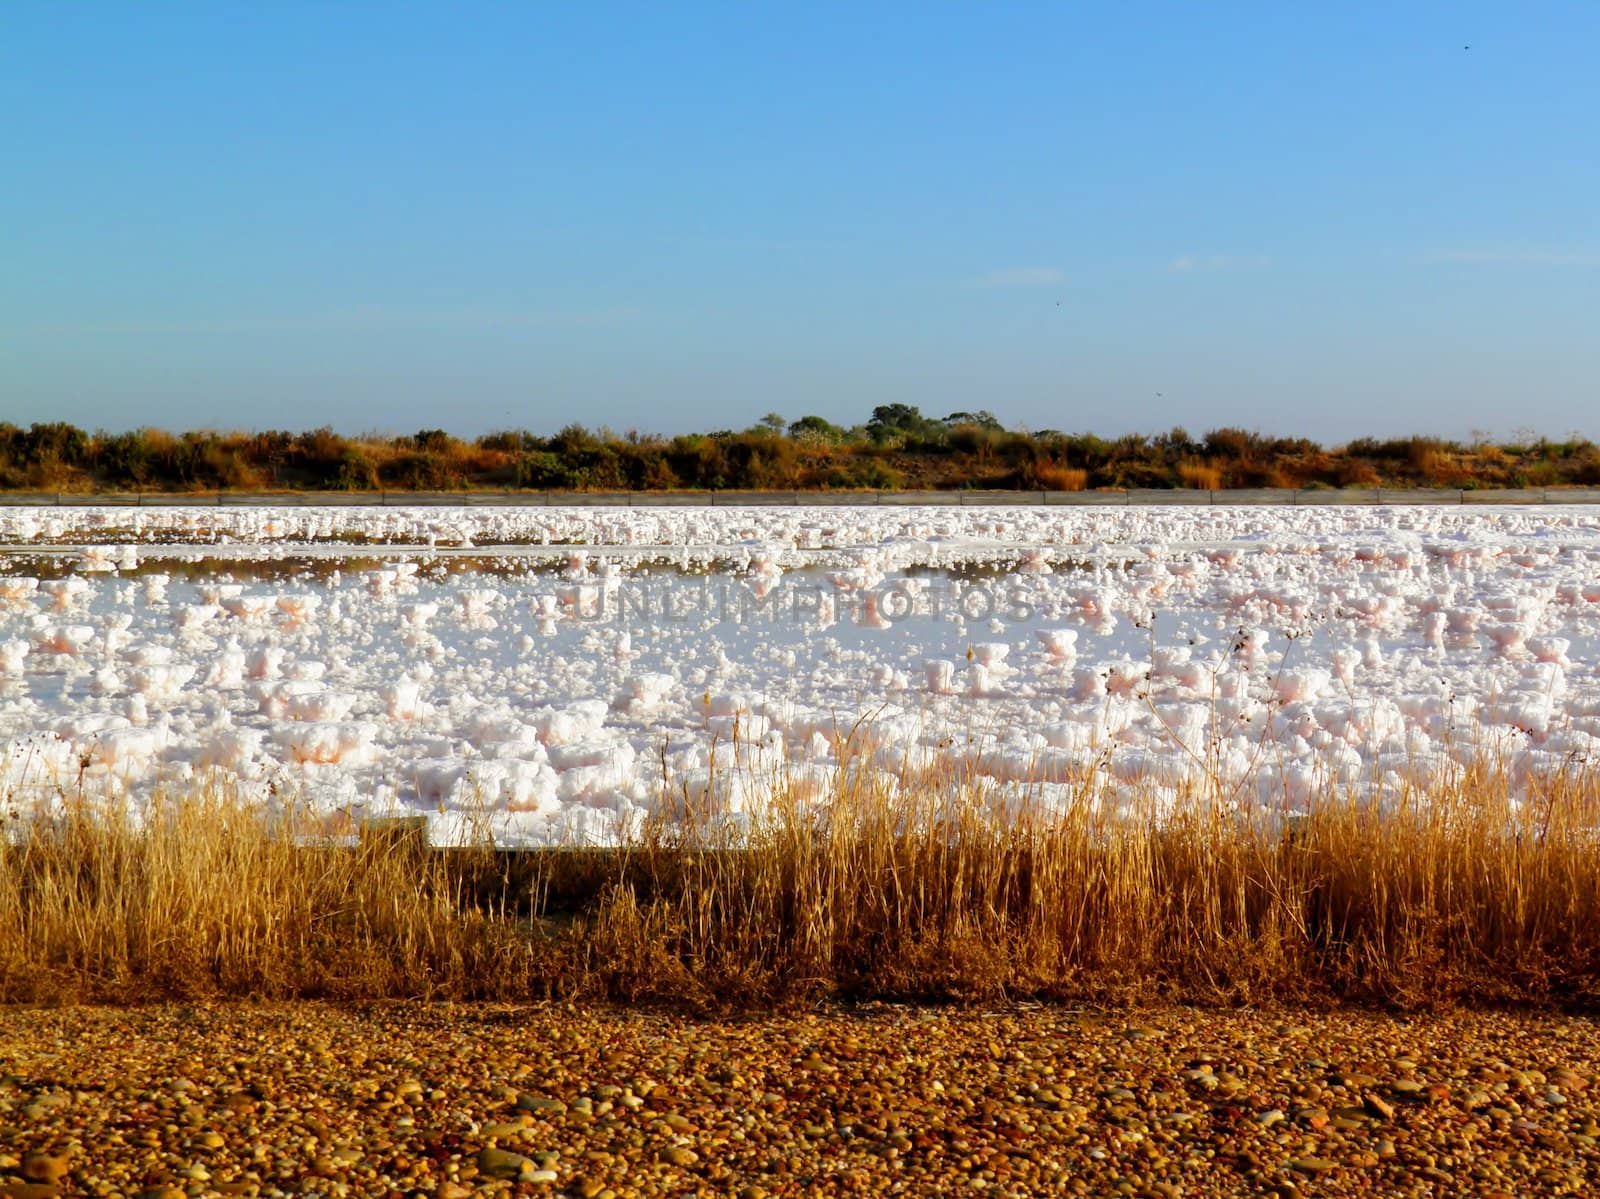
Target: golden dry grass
{"x":1202,"y":476}
{"x":1452,"y":894}
{"x":1052,"y":477}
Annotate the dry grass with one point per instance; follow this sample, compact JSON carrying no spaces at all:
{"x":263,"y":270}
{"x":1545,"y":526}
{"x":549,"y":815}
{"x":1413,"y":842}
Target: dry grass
{"x":1050,"y":476}
{"x":1453,"y":894}
{"x":208,"y":896}
{"x":1202,"y":476}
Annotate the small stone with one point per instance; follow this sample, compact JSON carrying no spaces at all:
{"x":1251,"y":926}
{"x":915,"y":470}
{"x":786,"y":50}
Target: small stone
{"x":44,"y":1167}
{"x":1378,"y":1106}
{"x":502,"y":1163}
{"x":241,"y":1102}
{"x":501,"y":1130}
{"x":679,"y":1155}
{"x":534,"y":1103}
{"x":1312,"y":1165}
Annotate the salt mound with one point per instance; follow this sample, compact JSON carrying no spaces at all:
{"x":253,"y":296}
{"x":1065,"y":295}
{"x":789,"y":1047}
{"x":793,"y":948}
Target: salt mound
{"x":12,"y":654}
{"x":328,"y":743}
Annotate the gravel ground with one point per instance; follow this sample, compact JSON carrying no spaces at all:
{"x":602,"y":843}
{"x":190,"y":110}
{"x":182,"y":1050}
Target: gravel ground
{"x":449,"y":1101}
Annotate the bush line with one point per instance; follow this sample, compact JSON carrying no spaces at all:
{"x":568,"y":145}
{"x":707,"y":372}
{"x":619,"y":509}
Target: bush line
{"x":898,"y":448}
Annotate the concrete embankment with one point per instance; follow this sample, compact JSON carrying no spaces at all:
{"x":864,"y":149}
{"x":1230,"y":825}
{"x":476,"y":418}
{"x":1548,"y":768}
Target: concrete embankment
{"x":669,"y":499}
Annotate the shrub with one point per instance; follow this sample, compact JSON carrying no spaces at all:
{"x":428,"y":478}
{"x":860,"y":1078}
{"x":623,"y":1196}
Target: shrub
{"x":420,"y":471}
{"x":1231,"y":443}
{"x":353,"y":472}
{"x":432,"y":441}
{"x":123,"y":459}
{"x":505,"y":441}
{"x":975,"y":439}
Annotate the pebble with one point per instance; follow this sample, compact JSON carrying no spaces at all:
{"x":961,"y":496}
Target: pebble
{"x":1376,"y":1105}
{"x":414,"y":1100}
{"x":1313,"y":1165}
{"x":502,"y":1163}
{"x":44,"y":1167}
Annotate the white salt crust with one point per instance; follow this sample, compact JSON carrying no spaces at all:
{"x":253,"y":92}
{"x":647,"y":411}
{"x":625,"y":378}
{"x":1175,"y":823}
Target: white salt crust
{"x":553,"y":675}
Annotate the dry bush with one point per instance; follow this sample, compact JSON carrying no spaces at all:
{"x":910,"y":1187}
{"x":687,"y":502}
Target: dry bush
{"x":1432,"y":463}
{"x":1353,"y":472}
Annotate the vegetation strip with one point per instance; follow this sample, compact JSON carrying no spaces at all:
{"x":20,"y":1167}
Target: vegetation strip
{"x":897,"y":448}
{"x":1482,"y":889}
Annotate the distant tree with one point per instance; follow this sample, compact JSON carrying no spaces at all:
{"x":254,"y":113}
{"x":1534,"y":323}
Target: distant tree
{"x":815,"y":429}
{"x":889,"y":421}
{"x":773,"y":422}
{"x":982,"y":418}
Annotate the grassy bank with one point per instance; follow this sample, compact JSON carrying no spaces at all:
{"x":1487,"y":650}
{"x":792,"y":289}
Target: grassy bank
{"x":1449,"y":896}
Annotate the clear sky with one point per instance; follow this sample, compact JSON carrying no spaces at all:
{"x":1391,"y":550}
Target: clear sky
{"x":1328,"y":220}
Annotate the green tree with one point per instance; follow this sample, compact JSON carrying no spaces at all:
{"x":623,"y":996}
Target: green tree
{"x":982,"y":418}
{"x":816,"y":429}
{"x":890,"y":421}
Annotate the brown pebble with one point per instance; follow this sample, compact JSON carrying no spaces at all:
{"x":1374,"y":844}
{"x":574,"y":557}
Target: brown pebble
{"x":49,"y":1168}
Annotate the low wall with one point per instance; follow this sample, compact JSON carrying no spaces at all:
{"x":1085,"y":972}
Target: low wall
{"x":678,"y":499}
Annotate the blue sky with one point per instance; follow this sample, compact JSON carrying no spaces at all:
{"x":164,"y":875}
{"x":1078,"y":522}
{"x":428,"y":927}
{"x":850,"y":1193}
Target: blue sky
{"x":1318,"y":220}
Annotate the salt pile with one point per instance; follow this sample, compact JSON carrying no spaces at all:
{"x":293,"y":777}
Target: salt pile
{"x":545,"y":674}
